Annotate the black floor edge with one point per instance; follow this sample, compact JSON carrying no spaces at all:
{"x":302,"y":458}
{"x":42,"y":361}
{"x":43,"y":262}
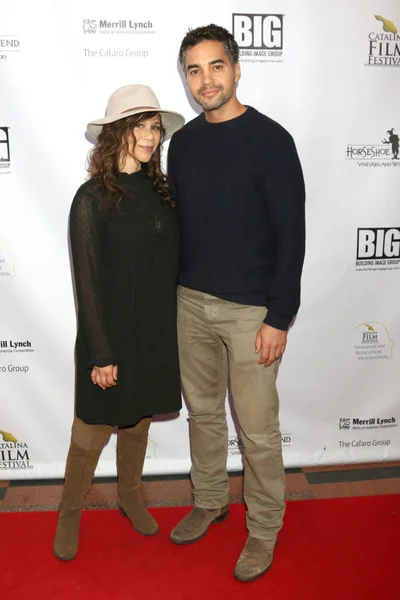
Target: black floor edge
{"x":313,"y":478}
{"x":346,"y":476}
{"x":113,"y":479}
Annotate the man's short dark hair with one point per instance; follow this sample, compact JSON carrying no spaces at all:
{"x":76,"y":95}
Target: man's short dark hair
{"x":213,"y":33}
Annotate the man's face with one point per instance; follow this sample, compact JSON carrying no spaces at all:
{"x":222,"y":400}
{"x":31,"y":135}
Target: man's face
{"x":210,"y":75}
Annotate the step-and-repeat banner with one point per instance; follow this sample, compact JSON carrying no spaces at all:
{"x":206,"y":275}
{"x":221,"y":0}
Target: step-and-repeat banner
{"x":329,"y":72}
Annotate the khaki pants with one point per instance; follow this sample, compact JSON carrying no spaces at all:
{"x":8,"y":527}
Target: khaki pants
{"x":213,"y":335}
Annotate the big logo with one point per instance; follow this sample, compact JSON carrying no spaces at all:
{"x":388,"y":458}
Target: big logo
{"x":383,"y":242}
{"x":378,"y":249}
{"x":259,"y":36}
{"x":5,"y":146}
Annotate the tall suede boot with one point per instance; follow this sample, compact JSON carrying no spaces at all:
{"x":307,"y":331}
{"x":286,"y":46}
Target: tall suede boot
{"x":87,"y":442}
{"x":131,"y":452}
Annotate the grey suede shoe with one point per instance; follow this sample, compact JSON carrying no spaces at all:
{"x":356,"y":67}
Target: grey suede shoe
{"x":255,"y":559}
{"x":195,"y":525}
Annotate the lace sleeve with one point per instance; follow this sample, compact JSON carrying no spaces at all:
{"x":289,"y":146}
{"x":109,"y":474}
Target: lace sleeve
{"x":87,"y":263}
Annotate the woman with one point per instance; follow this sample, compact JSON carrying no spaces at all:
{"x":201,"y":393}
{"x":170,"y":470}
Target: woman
{"x":124,"y":241}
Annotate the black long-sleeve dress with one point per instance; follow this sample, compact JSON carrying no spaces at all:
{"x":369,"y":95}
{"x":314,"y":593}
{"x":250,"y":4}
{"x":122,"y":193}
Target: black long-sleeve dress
{"x":125,"y":266}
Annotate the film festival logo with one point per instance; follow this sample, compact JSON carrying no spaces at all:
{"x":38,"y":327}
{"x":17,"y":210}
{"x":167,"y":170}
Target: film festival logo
{"x":385,"y":154}
{"x":5,"y":155}
{"x":259,"y":37}
{"x":378,"y":249}
{"x":13,"y":454}
{"x":7,"y":262}
{"x":373,"y":341}
{"x":384,"y":46}
{"x":151,"y":450}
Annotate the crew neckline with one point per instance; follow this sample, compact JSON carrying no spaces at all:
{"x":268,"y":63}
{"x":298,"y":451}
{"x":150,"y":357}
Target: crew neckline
{"x":237,"y":119}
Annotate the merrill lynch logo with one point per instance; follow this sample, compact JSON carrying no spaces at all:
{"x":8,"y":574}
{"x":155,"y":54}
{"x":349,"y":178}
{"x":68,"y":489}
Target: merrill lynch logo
{"x":90,"y":26}
{"x":345,"y":423}
{"x":15,"y":346}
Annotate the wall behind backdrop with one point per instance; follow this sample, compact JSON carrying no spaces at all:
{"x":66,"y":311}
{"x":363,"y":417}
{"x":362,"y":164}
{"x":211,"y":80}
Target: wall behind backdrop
{"x":330,"y":74}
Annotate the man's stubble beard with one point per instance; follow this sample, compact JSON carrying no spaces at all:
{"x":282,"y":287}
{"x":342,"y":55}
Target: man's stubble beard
{"x":218,"y":102}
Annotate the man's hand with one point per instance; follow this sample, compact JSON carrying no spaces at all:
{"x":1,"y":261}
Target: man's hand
{"x":271,"y":342}
{"x":105,"y":377}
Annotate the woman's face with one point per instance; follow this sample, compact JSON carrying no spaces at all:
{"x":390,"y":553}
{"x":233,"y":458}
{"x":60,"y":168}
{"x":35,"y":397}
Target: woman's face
{"x":145,"y":139}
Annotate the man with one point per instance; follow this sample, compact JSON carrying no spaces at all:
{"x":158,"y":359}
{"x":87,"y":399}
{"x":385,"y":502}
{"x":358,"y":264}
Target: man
{"x":240,"y":193}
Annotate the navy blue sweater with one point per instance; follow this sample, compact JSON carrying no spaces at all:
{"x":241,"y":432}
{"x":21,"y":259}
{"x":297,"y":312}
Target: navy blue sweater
{"x":240,"y":194}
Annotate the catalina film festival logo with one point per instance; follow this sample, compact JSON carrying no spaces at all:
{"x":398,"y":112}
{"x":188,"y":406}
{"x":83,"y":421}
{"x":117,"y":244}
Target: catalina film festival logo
{"x":372,"y":341}
{"x":383,"y":44}
{"x":383,"y":154}
{"x":5,"y":154}
{"x":115,"y":32}
{"x":378,"y":249}
{"x":259,"y":37}
{"x":151,"y":450}
{"x":7,"y":262}
{"x":13,"y":454}
{"x":9,"y":46}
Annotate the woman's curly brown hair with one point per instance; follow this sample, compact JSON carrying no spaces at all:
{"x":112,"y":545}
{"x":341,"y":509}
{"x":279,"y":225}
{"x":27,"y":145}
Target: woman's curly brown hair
{"x":111,"y":148}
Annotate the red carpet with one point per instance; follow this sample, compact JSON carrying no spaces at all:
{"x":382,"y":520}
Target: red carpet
{"x":339,"y":549}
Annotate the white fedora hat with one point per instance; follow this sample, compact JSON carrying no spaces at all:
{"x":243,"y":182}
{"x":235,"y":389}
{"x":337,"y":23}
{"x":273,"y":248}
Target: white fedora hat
{"x":131,"y":100}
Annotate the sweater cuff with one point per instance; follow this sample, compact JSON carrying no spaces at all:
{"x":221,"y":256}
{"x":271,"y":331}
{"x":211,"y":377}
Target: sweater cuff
{"x":277,"y":321}
{"x":103,"y":361}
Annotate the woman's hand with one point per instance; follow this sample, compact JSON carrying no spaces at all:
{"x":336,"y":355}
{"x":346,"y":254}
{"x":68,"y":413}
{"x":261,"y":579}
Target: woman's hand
{"x":105,"y":377}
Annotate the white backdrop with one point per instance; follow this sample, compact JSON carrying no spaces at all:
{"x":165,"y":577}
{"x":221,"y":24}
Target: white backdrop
{"x":329,"y":72}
